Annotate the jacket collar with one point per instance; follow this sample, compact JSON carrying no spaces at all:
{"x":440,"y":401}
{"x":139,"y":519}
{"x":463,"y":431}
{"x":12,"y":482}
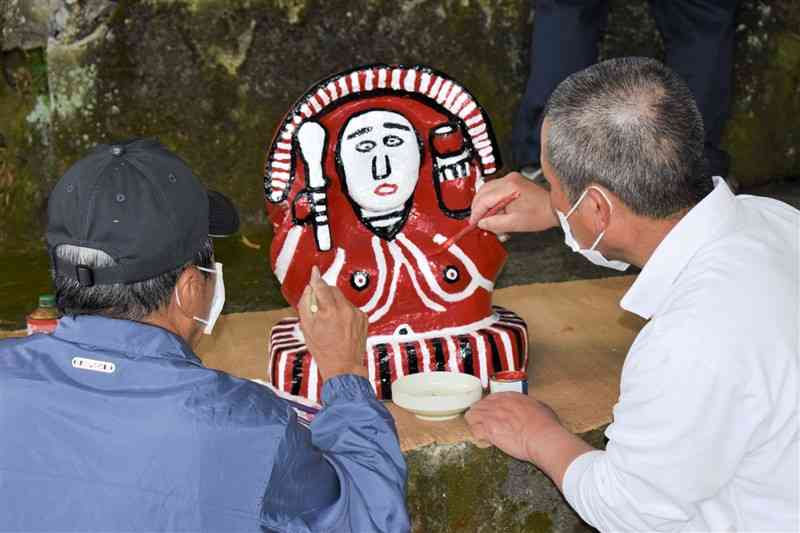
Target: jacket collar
{"x":699,"y":226}
{"x":133,"y":339}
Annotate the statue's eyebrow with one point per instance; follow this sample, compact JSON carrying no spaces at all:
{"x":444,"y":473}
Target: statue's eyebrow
{"x":362,"y":131}
{"x":396,"y":126}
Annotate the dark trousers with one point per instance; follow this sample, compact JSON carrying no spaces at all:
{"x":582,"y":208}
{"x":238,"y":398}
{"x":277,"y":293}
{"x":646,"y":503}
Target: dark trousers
{"x":698,"y":40}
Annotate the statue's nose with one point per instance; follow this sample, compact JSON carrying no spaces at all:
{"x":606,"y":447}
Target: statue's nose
{"x":381,"y":167}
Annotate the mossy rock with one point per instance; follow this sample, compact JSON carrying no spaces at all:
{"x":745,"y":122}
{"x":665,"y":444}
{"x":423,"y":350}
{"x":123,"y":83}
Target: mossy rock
{"x":763,"y":134}
{"x":212,"y":79}
{"x":24,"y":161}
{"x":461,"y":488}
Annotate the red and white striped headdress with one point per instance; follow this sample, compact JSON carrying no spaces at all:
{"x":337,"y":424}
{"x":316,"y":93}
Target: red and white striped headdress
{"x":423,"y":82}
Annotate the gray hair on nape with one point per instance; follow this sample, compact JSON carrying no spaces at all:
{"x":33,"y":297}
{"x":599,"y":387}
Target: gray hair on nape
{"x":631,"y":125}
{"x":128,"y":301}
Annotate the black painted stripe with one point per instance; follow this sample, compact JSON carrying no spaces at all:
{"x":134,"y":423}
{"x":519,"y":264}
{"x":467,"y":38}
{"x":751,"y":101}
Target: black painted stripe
{"x":497,"y":366}
{"x":508,"y":314}
{"x":276,"y":359}
{"x":518,"y":340}
{"x":411,"y":354}
{"x":511,"y":318}
{"x":466,"y":354}
{"x":385,"y":371}
{"x":438,"y":353}
{"x":297,"y":371}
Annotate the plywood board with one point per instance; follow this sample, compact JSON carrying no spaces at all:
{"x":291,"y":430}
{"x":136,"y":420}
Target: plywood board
{"x":578,"y":340}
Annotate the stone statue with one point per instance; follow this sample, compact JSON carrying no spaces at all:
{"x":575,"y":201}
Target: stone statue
{"x":368,"y":175}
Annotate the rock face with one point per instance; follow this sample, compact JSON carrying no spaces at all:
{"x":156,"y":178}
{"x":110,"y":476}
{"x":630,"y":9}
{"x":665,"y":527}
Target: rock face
{"x":461,"y":488}
{"x":211,"y":78}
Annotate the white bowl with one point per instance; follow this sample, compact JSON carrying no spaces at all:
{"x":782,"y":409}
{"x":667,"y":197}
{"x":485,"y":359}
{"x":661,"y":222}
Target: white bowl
{"x":436,"y":395}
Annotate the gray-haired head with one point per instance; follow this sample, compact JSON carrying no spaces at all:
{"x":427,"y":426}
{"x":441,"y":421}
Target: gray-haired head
{"x":632,"y":126}
{"x":129,"y":301}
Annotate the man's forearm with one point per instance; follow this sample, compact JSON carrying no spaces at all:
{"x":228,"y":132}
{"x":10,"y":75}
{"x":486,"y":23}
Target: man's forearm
{"x":357,"y":435}
{"x":555,"y":450}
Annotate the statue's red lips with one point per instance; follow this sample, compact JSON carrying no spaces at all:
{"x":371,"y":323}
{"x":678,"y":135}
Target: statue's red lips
{"x":386,"y":189}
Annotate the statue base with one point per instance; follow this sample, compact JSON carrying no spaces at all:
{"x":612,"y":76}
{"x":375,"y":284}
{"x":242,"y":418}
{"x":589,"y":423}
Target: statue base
{"x":498,"y":342}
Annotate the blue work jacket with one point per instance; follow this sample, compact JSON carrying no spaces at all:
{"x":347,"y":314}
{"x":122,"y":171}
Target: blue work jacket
{"x":113,"y":425}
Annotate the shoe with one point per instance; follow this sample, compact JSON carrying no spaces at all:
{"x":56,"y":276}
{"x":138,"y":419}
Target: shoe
{"x":532,"y":173}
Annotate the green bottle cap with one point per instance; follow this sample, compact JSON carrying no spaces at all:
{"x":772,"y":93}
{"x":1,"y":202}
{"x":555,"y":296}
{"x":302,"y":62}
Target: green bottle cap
{"x":47,"y":300}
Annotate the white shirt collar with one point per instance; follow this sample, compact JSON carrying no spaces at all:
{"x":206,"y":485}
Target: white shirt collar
{"x":695,"y":229}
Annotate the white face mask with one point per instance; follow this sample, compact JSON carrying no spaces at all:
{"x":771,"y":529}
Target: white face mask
{"x":217,"y":302}
{"x":591,"y":254}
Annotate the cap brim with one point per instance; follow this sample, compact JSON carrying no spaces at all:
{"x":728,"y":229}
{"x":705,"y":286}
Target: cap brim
{"x":223,"y":219}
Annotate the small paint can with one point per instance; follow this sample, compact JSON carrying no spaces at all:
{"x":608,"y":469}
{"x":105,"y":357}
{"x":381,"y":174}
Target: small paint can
{"x":509,"y":381}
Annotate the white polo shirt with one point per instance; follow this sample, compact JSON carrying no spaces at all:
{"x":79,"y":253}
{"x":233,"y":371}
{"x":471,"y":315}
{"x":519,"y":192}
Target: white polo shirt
{"x":705,"y":432}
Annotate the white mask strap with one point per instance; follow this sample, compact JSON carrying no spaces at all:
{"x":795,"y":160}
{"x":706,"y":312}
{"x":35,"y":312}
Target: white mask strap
{"x":597,"y":240}
{"x":178,"y":296}
{"x":583,"y":195}
{"x":576,"y":204}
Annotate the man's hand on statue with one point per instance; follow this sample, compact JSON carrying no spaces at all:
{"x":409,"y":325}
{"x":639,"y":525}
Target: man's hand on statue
{"x":526,"y":429}
{"x":336,"y":333}
{"x":530,"y":212}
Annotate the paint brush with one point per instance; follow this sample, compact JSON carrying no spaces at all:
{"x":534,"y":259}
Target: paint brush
{"x":312,"y":297}
{"x":312,"y":305}
{"x":492,"y":211}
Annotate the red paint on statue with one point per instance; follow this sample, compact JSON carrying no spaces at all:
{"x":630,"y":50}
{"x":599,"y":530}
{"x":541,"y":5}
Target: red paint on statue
{"x":368,"y":193}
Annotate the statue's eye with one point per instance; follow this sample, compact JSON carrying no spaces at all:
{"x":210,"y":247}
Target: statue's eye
{"x":365,"y":146}
{"x":359,"y":280}
{"x":392,"y":140}
{"x":451,"y":274}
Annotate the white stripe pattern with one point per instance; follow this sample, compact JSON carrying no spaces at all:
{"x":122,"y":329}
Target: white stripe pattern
{"x":445,"y":92}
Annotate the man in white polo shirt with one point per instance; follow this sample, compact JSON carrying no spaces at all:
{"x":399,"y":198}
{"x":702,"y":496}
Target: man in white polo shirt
{"x":705,"y":432}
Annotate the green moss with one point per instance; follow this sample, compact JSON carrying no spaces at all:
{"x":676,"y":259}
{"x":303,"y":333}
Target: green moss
{"x":764,"y":134}
{"x":537,"y":523}
{"x":462,"y":488}
{"x":23,"y":154}
{"x":454,"y":488}
{"x":293,"y":9}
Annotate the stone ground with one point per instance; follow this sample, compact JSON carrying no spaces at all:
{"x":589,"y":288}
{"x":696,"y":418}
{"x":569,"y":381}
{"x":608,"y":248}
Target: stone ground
{"x":251,"y":286}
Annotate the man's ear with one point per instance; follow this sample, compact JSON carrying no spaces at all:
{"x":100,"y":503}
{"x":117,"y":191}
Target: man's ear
{"x":598,"y":208}
{"x":189,"y":290}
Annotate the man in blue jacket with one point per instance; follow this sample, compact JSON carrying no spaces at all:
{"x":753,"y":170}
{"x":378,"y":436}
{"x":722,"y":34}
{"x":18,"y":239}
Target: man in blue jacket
{"x":113,"y":424}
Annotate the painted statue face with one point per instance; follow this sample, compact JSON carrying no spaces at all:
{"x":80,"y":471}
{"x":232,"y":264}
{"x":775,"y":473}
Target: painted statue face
{"x":381,"y":158}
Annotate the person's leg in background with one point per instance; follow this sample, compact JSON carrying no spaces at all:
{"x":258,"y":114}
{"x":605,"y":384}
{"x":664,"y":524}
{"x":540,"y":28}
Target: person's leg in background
{"x":698,"y":39}
{"x":564,"y":41}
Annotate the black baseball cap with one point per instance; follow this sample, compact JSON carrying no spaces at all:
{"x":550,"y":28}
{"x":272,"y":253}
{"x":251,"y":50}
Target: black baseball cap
{"x":139,"y":203}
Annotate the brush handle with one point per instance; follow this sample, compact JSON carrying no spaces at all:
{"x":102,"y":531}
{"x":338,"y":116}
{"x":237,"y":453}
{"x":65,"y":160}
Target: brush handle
{"x":492,"y":211}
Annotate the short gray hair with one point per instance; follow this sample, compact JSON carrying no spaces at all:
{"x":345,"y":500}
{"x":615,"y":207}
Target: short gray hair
{"x":129,"y":301}
{"x":631,"y":125}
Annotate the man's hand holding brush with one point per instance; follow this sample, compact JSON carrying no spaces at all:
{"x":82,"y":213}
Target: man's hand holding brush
{"x":530,"y":211}
{"x":335,"y":331}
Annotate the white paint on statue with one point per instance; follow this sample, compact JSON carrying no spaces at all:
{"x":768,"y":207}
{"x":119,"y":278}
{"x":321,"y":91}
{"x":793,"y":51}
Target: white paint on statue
{"x":311,"y":138}
{"x":483,"y":372}
{"x":506,"y":340}
{"x":332,"y":274}
{"x":381,"y":158}
{"x":456,"y":331}
{"x":286,"y":255}
{"x":380,"y":259}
